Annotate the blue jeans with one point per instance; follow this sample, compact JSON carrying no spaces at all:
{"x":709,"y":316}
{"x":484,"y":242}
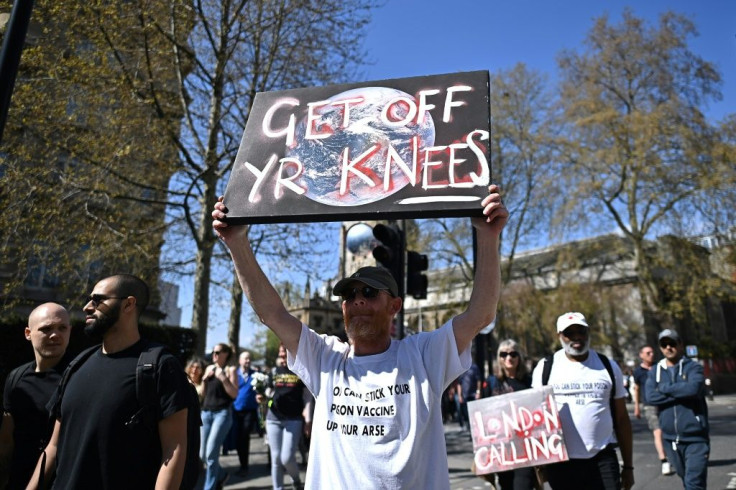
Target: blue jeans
{"x":283,"y":441}
{"x":690,"y":460}
{"x":215,"y":426}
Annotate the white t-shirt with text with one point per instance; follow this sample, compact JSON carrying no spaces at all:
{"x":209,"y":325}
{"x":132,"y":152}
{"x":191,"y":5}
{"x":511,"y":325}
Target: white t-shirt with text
{"x":582,"y":392}
{"x":377,"y":419}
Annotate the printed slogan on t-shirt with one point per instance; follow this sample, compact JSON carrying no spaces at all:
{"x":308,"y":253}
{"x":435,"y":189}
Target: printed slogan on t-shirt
{"x":364,"y":413}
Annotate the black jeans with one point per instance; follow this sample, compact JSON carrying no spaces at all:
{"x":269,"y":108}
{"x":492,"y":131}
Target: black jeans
{"x":521,"y":479}
{"x":246,"y":421}
{"x":601,"y":472}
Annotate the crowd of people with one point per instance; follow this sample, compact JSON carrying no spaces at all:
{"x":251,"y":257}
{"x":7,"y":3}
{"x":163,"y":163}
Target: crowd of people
{"x":373,"y":406}
{"x":591,"y":391}
{"x":239,"y":401}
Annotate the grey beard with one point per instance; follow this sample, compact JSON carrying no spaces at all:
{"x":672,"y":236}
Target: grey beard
{"x":571,"y":351}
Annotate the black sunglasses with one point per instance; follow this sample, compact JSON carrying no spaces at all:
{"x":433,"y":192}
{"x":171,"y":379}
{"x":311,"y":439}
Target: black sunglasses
{"x":96,"y":299}
{"x":667,"y":343}
{"x":368,"y":292}
{"x":513,"y":354}
{"x":216,"y":352}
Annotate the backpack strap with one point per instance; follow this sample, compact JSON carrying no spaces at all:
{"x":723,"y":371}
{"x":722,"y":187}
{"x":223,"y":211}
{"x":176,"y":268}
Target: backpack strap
{"x":71,"y":369}
{"x":547,"y":368}
{"x":16,"y":374}
{"x":607,"y":364}
{"x":145,"y":386}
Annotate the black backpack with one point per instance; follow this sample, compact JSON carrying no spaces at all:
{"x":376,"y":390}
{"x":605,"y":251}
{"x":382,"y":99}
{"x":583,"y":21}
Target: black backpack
{"x":145,"y":389}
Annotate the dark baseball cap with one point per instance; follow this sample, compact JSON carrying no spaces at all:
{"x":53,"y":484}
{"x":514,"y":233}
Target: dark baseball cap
{"x":375,"y":277}
{"x":668,"y":333}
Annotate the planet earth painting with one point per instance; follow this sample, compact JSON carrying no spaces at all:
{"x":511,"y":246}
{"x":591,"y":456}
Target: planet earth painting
{"x":321,"y":158}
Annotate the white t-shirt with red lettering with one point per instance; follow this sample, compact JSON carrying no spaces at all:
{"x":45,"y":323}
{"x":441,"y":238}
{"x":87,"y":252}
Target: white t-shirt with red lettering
{"x":377,"y":419}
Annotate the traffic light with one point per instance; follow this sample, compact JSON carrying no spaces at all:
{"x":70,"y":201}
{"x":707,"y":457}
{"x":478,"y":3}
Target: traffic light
{"x":416,"y":282}
{"x":390,"y":253}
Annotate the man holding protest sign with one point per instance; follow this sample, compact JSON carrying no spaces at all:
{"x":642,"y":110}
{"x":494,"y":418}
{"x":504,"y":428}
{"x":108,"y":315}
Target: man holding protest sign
{"x":378,"y":416}
{"x":591,"y":399}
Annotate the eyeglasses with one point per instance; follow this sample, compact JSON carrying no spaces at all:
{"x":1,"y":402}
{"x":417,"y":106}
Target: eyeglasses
{"x":368,"y":292}
{"x":513,"y":354}
{"x":667,"y":343}
{"x":217,"y":352}
{"x":96,"y":299}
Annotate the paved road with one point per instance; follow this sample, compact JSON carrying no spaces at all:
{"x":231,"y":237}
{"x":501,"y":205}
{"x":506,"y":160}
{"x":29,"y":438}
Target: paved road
{"x":721,"y":468}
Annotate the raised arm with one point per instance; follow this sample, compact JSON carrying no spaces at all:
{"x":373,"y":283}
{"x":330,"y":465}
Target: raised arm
{"x":487,"y":281}
{"x":261,"y":294}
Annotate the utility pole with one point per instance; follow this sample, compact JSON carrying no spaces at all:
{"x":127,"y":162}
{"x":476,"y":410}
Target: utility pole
{"x":15,"y":37}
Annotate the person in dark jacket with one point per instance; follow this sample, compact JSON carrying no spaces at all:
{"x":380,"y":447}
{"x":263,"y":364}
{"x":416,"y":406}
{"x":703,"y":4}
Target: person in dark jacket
{"x":677,"y":387}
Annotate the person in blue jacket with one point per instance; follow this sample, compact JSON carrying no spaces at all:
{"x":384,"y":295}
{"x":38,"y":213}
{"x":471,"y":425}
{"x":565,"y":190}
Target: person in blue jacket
{"x":676,"y":386}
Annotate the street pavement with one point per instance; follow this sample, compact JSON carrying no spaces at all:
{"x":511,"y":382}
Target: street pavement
{"x":721,"y":467}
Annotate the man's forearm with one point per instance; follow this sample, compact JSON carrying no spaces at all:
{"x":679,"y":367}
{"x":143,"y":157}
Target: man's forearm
{"x":487,"y":281}
{"x":486,"y":291}
{"x":171,"y":471}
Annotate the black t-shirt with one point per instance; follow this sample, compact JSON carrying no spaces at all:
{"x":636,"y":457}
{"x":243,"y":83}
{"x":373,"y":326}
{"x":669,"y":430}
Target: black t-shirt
{"x":96,"y":448}
{"x":288,"y":395}
{"x":640,"y":378}
{"x":215,"y":396}
{"x":26,"y":402}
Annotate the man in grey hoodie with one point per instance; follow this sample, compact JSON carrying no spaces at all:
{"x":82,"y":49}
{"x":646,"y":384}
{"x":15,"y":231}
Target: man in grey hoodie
{"x":677,"y":387}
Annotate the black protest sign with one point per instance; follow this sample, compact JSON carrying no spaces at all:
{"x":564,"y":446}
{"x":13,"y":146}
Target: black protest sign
{"x":411,"y":147}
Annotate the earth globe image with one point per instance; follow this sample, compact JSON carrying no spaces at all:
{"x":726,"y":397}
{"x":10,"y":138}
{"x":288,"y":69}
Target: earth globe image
{"x":321,"y":159}
{"x":360,"y":240}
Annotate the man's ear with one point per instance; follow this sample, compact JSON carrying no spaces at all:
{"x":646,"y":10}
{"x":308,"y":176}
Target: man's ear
{"x":396,"y":305}
{"x":130,"y":303}
{"x":28,"y":333}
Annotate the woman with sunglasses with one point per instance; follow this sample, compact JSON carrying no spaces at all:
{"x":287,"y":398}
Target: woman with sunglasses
{"x":220,"y":389}
{"x":511,"y":375}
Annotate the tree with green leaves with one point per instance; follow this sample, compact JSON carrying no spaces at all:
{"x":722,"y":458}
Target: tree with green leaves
{"x":204,"y":62}
{"x":85,"y":162}
{"x":639,"y":152}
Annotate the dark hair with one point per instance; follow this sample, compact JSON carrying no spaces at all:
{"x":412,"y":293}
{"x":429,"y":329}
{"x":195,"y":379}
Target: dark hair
{"x":130,"y":285}
{"x":225,"y":348}
{"x":644,"y":347}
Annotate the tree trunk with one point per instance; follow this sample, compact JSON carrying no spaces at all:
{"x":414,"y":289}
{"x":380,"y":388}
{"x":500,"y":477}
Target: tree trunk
{"x":649,"y":294}
{"x":236,"y":308}
{"x":201,"y":306}
{"x":203,"y":269}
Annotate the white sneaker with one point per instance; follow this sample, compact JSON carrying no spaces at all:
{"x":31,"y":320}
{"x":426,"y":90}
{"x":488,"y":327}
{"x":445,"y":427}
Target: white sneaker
{"x":667,"y":469}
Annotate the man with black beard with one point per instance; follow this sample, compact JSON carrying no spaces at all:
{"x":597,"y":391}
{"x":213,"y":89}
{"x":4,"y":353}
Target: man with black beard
{"x":378,"y":417}
{"x":93,"y":445}
{"x":591,"y":398}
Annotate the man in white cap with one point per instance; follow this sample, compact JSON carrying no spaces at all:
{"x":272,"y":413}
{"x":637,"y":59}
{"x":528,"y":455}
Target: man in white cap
{"x":590,"y":395}
{"x":676,"y":385}
{"x":378,"y":417}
